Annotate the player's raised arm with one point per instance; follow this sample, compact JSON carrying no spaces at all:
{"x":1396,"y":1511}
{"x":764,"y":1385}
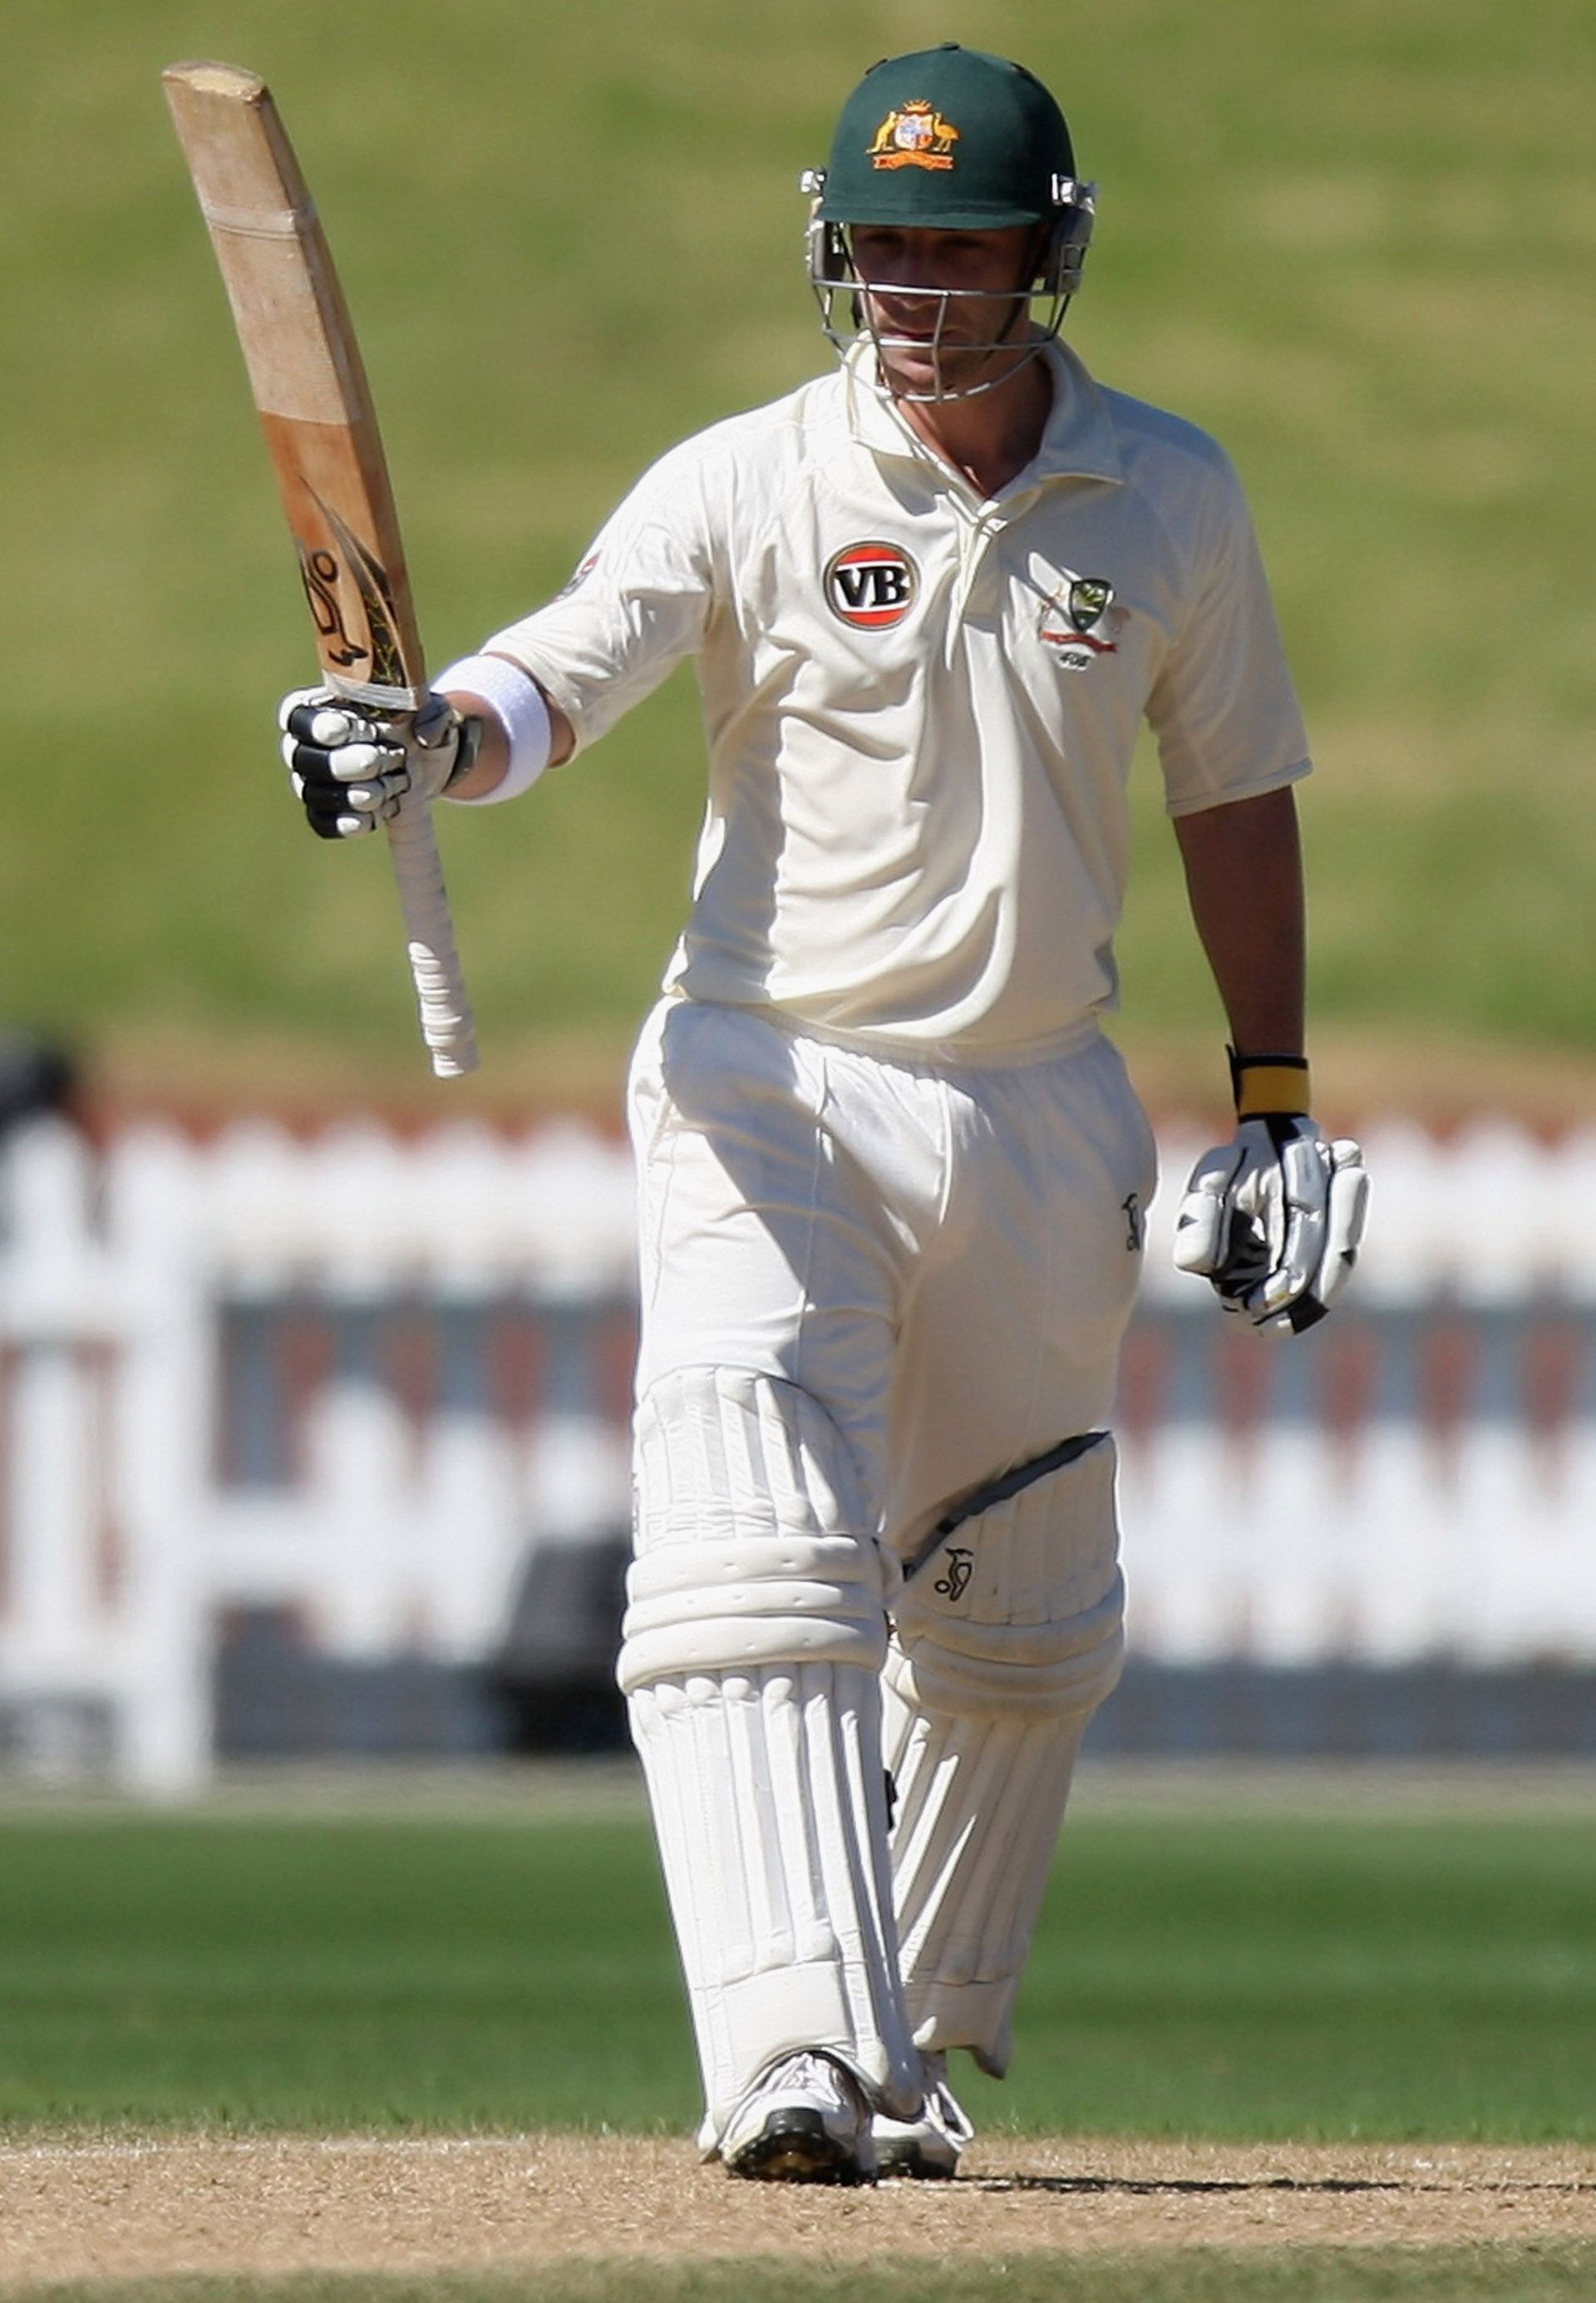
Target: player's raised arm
{"x":547,"y":684}
{"x":523,"y":730}
{"x":486,"y":734}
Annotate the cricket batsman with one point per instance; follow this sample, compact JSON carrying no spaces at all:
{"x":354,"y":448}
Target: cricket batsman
{"x":892,"y":1175}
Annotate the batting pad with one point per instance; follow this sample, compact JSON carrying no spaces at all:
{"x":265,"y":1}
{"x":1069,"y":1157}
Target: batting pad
{"x":1001,"y":1653}
{"x":1021,"y":1609}
{"x":752,"y":1650}
{"x":753,"y":1545}
{"x":769,"y":1802}
{"x":724,"y":1452}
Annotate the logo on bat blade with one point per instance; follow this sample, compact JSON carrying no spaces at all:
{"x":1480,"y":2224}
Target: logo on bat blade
{"x":319,"y":570}
{"x":870,"y":586}
{"x":323,"y":575}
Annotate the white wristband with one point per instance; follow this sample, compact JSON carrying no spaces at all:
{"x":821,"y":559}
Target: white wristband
{"x":520,"y":710}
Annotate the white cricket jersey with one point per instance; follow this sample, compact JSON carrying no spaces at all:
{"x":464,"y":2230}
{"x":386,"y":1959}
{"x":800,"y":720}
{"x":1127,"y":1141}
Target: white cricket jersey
{"x":921,"y":707}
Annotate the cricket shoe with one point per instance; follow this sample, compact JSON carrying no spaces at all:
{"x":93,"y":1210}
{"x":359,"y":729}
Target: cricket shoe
{"x":927,"y":2148}
{"x":805,"y":2121}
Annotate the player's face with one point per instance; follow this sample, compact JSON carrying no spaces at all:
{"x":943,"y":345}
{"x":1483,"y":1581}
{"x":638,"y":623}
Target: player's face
{"x":944,"y":307}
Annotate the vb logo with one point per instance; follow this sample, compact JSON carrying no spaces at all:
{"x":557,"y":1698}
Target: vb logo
{"x":870,"y":586}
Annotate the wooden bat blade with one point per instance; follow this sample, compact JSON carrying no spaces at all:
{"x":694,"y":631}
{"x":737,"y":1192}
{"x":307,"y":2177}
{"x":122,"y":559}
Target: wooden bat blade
{"x":307,"y":380}
{"x":315,"y":404}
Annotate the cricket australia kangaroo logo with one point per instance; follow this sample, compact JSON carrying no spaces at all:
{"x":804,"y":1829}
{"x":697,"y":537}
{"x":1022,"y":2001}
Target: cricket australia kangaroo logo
{"x":870,"y":586}
{"x":1081,"y":622}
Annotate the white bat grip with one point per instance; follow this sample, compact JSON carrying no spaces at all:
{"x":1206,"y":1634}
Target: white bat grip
{"x":446,"y":1019}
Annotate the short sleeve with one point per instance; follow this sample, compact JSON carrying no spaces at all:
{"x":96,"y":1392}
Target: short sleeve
{"x":638,"y":603}
{"x":1223,"y":708}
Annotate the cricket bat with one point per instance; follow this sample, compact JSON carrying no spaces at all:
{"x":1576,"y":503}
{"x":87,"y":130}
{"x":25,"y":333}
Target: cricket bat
{"x":315,"y":404}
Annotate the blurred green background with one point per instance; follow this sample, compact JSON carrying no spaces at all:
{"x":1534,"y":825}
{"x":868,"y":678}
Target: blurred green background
{"x":1354,"y":242}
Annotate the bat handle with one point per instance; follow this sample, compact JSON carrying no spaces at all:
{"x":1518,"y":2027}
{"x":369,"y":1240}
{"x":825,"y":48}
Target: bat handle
{"x":446,"y":1020}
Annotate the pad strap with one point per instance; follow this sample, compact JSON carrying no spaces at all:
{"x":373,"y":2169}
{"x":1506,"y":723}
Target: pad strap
{"x":730,"y":1606}
{"x":998,"y":1490}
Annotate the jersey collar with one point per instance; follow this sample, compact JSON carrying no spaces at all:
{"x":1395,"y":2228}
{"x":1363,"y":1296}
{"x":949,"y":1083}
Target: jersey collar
{"x":1079,"y":441}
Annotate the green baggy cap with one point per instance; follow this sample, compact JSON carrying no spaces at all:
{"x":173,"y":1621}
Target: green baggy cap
{"x":947,"y":139}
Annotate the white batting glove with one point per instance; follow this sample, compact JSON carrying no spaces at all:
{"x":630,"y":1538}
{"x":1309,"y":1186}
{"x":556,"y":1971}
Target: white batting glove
{"x":350,"y":766}
{"x":1275,"y":1218}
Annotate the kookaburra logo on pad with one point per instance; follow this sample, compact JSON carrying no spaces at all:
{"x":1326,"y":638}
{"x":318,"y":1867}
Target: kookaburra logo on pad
{"x":958,"y":1565}
{"x":870,"y":586}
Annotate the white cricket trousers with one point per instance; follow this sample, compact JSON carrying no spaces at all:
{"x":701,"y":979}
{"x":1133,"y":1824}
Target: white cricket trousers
{"x":944,"y":1257}
{"x":868,"y":1284}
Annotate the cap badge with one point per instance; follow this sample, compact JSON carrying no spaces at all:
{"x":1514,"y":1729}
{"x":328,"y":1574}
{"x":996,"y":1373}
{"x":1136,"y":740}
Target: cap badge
{"x":918,"y":136}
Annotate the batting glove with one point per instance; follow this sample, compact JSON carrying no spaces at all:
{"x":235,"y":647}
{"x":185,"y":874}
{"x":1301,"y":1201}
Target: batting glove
{"x":1275,"y":1218}
{"x":350,"y":768}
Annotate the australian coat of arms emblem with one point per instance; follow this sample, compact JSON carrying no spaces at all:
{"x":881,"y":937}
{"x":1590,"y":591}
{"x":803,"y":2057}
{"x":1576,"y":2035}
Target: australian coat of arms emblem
{"x":917,"y":137}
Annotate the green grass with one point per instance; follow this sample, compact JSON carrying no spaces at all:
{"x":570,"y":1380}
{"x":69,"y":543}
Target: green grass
{"x":1357,"y":241}
{"x":1485,"y":2275}
{"x":1205,"y":1977}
